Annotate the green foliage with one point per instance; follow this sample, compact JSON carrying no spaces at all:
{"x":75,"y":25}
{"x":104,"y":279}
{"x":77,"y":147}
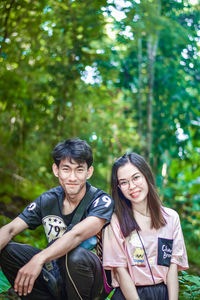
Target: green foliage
{"x":4,"y":283}
{"x":46,"y":97}
{"x":184,"y":184}
{"x":189,"y":287}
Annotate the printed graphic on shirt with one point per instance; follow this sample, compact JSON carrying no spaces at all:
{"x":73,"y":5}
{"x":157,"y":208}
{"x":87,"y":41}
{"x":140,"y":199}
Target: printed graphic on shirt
{"x":32,"y":206}
{"x":164,"y":251}
{"x":137,"y":255}
{"x":105,"y":199}
{"x":54,"y":227}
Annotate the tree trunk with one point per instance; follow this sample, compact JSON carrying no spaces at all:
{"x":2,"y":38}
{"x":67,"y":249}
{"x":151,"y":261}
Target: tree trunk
{"x":139,"y":87}
{"x":152,"y":43}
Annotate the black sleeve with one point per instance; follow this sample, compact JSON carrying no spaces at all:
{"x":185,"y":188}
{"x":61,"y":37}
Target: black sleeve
{"x":102,"y":207}
{"x":32,"y":214}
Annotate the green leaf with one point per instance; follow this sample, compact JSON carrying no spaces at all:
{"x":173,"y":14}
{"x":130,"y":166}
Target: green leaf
{"x":4,"y":283}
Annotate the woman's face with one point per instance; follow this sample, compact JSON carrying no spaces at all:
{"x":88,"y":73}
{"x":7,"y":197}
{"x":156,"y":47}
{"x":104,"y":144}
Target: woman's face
{"x":132,"y":184}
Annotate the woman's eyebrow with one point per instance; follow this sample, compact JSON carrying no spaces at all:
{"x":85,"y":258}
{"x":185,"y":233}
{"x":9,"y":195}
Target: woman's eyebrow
{"x":130,"y":176}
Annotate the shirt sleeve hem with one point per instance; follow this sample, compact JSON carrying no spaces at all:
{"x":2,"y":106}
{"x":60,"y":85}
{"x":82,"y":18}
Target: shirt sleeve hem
{"x":180,"y":267}
{"x":111,"y":266}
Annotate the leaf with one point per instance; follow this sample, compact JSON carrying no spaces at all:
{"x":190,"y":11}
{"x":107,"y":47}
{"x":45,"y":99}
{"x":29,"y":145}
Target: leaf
{"x":4,"y":283}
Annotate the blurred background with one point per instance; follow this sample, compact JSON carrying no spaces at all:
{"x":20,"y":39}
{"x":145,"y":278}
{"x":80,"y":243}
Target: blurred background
{"x":124,"y":76}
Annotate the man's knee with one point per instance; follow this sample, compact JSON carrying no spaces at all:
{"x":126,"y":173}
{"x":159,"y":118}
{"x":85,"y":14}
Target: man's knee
{"x":83,"y":259}
{"x":18,"y":253}
{"x":7,"y":250}
{"x":77,"y":256}
{"x":11,"y":245}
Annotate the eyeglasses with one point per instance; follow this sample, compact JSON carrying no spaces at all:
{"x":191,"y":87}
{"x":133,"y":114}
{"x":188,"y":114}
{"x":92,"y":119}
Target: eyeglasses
{"x":136,"y":179}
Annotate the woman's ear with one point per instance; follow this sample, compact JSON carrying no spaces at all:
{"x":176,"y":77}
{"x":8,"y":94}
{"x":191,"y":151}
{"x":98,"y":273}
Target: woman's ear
{"x":90,"y":172}
{"x":55,"y":169}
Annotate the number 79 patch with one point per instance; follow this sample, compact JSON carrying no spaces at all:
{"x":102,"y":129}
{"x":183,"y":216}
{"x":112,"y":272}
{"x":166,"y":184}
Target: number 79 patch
{"x":54,"y":227}
{"x":105,"y":199}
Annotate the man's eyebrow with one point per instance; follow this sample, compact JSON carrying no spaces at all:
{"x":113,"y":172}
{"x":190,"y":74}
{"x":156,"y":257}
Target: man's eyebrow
{"x":78,"y":166}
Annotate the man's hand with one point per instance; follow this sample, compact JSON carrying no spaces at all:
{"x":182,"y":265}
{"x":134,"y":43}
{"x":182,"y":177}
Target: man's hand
{"x":27,"y":275}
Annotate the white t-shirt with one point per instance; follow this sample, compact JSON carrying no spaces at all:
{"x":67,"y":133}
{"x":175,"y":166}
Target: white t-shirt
{"x":163,"y":246}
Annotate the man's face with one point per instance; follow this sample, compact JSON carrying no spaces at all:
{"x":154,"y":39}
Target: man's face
{"x":72,"y":176}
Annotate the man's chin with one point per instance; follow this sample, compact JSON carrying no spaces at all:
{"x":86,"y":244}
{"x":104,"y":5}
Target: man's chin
{"x":72,"y":190}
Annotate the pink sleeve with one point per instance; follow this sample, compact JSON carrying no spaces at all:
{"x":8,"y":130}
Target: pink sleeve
{"x":179,"y":254}
{"x":113,"y":246}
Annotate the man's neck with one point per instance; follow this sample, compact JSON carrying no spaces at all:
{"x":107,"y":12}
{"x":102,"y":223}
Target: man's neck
{"x":71,"y":201}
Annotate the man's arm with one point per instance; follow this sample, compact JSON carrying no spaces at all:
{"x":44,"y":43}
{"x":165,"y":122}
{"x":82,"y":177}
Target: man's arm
{"x":172,"y":282}
{"x":27,"y":275}
{"x":7,"y":232}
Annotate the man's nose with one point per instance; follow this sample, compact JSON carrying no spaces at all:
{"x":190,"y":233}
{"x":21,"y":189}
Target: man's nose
{"x":72,"y":175}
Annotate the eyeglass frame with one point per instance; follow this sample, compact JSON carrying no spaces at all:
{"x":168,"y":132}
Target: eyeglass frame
{"x":131,"y":179}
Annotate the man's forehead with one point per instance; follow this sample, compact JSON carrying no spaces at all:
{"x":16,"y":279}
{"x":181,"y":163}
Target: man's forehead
{"x":72,"y":162}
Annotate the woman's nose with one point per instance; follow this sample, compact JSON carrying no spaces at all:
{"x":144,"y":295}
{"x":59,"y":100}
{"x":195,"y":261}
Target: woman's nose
{"x":131,"y":184}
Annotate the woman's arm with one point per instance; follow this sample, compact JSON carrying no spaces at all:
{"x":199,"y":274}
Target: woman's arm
{"x":172,"y":282}
{"x":126,"y":284}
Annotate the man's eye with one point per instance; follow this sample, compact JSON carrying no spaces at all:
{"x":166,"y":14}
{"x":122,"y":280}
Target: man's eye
{"x":80,"y":170}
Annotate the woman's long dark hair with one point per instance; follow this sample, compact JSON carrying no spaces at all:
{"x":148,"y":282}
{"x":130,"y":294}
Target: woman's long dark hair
{"x":123,"y":208}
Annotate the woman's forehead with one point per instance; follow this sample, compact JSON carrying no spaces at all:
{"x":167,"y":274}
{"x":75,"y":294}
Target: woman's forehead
{"x":126,"y":171}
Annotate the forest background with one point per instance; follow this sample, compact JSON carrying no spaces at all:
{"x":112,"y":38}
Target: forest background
{"x":123,"y":75}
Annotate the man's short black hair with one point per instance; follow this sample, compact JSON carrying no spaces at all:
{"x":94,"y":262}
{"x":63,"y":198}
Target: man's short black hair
{"x":74,"y":149}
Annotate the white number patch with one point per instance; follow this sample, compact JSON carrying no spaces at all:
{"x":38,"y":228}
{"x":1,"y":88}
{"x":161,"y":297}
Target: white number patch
{"x":107,"y":200}
{"x":32,"y":206}
{"x":96,"y":202}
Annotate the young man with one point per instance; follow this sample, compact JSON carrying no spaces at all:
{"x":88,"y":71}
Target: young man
{"x":65,"y":269}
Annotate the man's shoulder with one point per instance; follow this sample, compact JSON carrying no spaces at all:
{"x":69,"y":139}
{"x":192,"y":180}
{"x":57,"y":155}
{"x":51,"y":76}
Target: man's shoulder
{"x":97,"y":192}
{"x":101,"y":204}
{"x":54,"y":192}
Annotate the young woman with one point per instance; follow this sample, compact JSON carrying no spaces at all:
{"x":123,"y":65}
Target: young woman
{"x":143,"y":245}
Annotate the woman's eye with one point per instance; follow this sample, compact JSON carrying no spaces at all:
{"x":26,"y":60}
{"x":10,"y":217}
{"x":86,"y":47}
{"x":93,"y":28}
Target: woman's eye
{"x":137,"y":178}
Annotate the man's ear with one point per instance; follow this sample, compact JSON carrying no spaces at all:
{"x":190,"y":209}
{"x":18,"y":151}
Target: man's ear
{"x":90,"y":172}
{"x":55,"y":169}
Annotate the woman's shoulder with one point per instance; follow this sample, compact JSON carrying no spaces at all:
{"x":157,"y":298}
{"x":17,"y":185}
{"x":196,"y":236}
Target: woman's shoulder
{"x":169,"y":212}
{"x":114,"y":219}
{"x":114,"y":227}
{"x":114,"y":224}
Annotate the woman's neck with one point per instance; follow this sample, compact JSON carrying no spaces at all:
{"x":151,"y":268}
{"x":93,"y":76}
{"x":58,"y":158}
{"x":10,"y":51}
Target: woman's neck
{"x":141,"y":208}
